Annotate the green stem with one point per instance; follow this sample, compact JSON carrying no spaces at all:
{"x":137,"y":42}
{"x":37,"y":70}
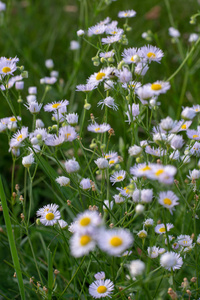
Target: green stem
{"x":12,"y":242}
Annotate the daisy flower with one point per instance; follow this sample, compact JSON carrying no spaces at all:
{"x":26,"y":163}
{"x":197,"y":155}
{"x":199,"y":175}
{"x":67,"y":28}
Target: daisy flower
{"x":171,"y":260}
{"x":102,"y":163}
{"x":141,"y":170}
{"x":151,"y":53}
{"x":72,"y":165}
{"x":63,"y":224}
{"x":160,"y":228}
{"x":111,"y":39}
{"x":130,"y":55}
{"x":111,"y":155}
{"x":48,"y":80}
{"x":68,"y":132}
{"x":49,"y":216}
{"x":54,"y":140}
{"x":100,"y":275}
{"x":193,"y":134}
{"x":107,"y":54}
{"x":153,"y":251}
{"x":101,"y":288}
{"x":113,"y":161}
{"x":195,"y":150}
{"x":28,"y":160}
{"x":136,"y":268}
{"x":168,"y":199}
{"x":109,"y":102}
{"x":96,"y":29}
{"x":98,"y":77}
{"x":184,"y":240}
{"x":7,"y":67}
{"x":87,"y":220}
{"x":173,"y":32}
{"x":188,"y":113}
{"x":85,"y":184}
{"x":19,"y":137}
{"x":55,"y":105}
{"x":86,"y":87}
{"x":118,"y":176}
{"x":160,"y":87}
{"x":63,"y":181}
{"x":194,"y":174}
{"x":72,"y":119}
{"x":115,"y":241}
{"x":127,"y":14}
{"x":81,"y":243}
{"x":132,"y":112}
{"x":98,"y":128}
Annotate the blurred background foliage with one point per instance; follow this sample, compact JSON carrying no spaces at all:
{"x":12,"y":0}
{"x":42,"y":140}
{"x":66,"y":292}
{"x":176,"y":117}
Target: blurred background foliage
{"x":35,"y":30}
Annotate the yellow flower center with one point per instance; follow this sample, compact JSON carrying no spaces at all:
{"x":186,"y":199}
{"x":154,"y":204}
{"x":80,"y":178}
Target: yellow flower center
{"x":183,"y":126}
{"x":119,"y":177}
{"x":100,"y":75}
{"x":156,"y":86}
{"x":162,"y":229}
{"x":195,"y":136}
{"x":116,"y":241}
{"x":167,"y":201}
{"x":19,"y":137}
{"x":111,"y":161}
{"x":55,"y":105}
{"x":6,"y":69}
{"x":67,"y":135}
{"x":101,"y":289}
{"x":50,"y":216}
{"x":85,"y":221}
{"x":185,"y":242}
{"x":107,"y":156}
{"x":84,"y":240}
{"x":13,"y":119}
{"x":132,"y":59}
{"x":151,"y":55}
{"x":159,"y":172}
{"x":196,"y":109}
{"x":126,"y":14}
{"x":97,"y":129}
{"x":147,"y":168}
{"x":114,"y":32}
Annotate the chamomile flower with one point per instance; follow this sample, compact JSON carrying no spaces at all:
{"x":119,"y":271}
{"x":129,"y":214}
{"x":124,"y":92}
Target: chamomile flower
{"x":118,"y":176}
{"x":151,"y":53}
{"x":98,"y":128}
{"x":49,"y":217}
{"x":127,"y":14}
{"x":86,"y":221}
{"x":81,"y":244}
{"x":55,"y":105}
{"x":141,"y":170}
{"x":160,"y":228}
{"x":171,"y":260}
{"x":115,"y":241}
{"x":101,"y":288}
{"x":113,"y":161}
{"x":169,"y":200}
{"x":109,"y":102}
{"x":19,"y":137}
{"x":111,"y":155}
